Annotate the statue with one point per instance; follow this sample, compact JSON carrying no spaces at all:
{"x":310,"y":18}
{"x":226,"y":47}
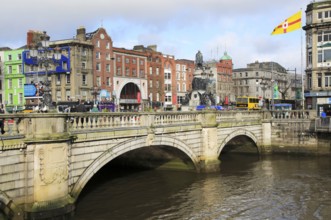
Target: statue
{"x":199,"y":60}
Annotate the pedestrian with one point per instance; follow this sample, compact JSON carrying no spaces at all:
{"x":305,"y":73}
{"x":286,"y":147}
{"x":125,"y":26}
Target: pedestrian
{"x":323,"y":115}
{"x":81,"y":107}
{"x":2,"y":121}
{"x":95,"y":108}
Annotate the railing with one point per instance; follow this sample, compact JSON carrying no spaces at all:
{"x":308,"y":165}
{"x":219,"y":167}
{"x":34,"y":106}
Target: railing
{"x":20,"y":125}
{"x":88,"y":121}
{"x":323,"y":124}
{"x":293,"y":114}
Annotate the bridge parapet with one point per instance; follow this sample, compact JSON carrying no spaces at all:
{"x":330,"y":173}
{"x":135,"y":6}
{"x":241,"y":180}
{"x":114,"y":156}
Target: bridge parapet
{"x":293,"y":114}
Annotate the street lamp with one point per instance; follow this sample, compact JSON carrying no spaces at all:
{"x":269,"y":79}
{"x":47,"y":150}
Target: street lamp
{"x":95,"y":92}
{"x":46,"y":56}
{"x":264,"y":85}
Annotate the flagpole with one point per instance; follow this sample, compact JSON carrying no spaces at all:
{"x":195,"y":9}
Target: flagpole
{"x":302,"y":71}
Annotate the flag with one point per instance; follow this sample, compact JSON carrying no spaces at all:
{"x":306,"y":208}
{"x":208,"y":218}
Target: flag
{"x":291,"y":24}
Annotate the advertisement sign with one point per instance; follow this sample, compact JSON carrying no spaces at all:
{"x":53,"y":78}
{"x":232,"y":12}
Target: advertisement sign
{"x":30,"y":90}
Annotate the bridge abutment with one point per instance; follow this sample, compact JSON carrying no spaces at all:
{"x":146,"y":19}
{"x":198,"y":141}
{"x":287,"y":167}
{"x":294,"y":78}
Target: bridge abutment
{"x":209,"y":162}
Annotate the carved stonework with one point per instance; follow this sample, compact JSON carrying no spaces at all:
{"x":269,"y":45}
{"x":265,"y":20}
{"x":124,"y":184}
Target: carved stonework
{"x":53,"y":164}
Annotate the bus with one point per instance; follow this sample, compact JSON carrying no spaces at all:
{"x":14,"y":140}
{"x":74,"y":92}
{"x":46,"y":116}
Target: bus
{"x":248,"y":103}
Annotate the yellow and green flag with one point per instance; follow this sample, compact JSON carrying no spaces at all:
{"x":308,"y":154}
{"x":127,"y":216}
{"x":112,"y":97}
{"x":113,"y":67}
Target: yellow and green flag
{"x":290,"y":24}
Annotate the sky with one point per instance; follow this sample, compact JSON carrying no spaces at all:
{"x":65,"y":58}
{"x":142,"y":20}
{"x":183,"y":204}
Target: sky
{"x":180,"y":28}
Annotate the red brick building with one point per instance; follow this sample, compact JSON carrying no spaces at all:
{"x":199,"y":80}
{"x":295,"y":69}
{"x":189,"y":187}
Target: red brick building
{"x":224,"y":80}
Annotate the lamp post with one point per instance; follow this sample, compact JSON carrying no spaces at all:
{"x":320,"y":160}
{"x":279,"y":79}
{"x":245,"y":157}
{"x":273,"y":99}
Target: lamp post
{"x":264,"y":85}
{"x":46,"y":57}
{"x":95,"y":92}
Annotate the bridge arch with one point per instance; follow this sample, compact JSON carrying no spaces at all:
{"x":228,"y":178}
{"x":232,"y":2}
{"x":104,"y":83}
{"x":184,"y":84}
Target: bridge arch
{"x":239,"y":133}
{"x":125,"y":147}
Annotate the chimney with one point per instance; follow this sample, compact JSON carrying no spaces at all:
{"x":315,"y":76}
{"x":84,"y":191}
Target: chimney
{"x":81,"y":33}
{"x":153,"y":47}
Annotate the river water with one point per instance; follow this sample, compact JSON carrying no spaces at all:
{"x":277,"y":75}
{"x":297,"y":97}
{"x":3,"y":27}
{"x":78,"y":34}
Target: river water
{"x":247,"y":187}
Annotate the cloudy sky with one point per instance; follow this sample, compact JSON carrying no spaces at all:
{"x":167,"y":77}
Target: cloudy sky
{"x":178,"y":27}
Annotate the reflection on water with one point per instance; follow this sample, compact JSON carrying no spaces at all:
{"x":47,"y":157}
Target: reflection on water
{"x":247,"y":187}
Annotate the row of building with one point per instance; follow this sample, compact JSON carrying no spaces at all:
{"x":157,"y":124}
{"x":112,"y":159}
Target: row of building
{"x":91,"y":68}
{"x":141,"y":78}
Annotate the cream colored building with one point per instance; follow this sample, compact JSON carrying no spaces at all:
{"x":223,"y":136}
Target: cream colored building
{"x":258,"y":80}
{"x":318,"y":54}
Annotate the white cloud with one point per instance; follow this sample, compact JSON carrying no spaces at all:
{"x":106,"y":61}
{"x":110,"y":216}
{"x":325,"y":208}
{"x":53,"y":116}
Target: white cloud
{"x":180,"y":27}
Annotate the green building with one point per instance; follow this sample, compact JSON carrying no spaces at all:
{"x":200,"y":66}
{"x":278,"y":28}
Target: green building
{"x":14,"y":80}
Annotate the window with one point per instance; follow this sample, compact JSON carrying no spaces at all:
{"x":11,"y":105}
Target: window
{"x":178,"y":67}
{"x":150,"y":84}
{"x":320,"y":56}
{"x":309,"y":61}
{"x":108,"y":45}
{"x":20,"y":98}
{"x":141,"y":73}
{"x":184,"y":68}
{"x":98,"y":43}
{"x":309,"y":81}
{"x":119,"y":71}
{"x":83,"y":65}
{"x":84,"y":79}
{"x":167,"y":75}
{"x":98,"y":81}
{"x":157,"y":71}
{"x":58,"y":79}
{"x":68,"y":95}
{"x":19,"y":56}
{"x":84,"y":51}
{"x":178,"y":87}
{"x":257,"y":74}
{"x":167,"y":98}
{"x":184,"y":76}
{"x":167,"y":87}
{"x":68,"y":78}
{"x":127,"y":60}
{"x":19,"y":69}
{"x":127,"y":71}
{"x":98,"y":67}
{"x":10,"y":99}
{"x":134,"y":72}
{"x":178,"y":75}
{"x":141,"y":62}
{"x":246,"y":74}
{"x":20,"y":83}
{"x":58,"y":95}
{"x":9,"y":57}
{"x":108,"y":81}
{"x":118,"y":58}
{"x":150,"y":70}
{"x":327,"y":36}
{"x":98,"y":55}
{"x":184,"y":87}
{"x":134,"y":61}
{"x":10,"y":69}
{"x":320,"y":15}
{"x":328,"y":80}
{"x":108,"y":67}
{"x":319,"y":80}
{"x":323,"y":55}
{"x":107,"y":56}
{"x":10,"y":83}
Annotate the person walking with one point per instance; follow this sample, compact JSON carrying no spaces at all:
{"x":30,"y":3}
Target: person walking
{"x":81,"y":107}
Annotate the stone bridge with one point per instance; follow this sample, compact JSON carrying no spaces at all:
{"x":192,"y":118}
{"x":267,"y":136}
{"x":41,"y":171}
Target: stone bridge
{"x":47,"y":159}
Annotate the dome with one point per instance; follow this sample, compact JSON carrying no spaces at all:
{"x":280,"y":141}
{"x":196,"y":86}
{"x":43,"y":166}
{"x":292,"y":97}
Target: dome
{"x":226,"y":56}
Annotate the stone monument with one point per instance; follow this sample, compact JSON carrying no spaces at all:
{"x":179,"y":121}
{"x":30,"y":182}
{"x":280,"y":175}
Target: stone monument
{"x":203,"y":87}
